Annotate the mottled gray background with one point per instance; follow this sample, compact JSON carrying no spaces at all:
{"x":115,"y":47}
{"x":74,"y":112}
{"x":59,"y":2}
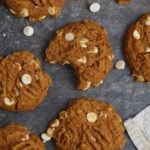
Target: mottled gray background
{"x":119,"y":88}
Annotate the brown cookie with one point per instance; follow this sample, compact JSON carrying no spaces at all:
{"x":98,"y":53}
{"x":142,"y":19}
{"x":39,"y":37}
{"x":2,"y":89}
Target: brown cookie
{"x":85,"y":46}
{"x":23,"y":84}
{"x":137,"y":48}
{"x":35,"y":10}
{"x":17,"y":137}
{"x":123,"y":1}
{"x":88,"y":124}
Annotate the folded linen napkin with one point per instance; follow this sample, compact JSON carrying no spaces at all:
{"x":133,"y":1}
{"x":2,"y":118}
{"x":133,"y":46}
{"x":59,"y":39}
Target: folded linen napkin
{"x":138,"y":129}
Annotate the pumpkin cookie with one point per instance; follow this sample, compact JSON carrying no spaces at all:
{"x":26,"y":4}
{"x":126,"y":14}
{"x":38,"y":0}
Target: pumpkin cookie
{"x":123,"y":1}
{"x":85,"y":46}
{"x":35,"y":10}
{"x":137,"y":49}
{"x":17,"y":137}
{"x":23,"y":84}
{"x":88,"y":124}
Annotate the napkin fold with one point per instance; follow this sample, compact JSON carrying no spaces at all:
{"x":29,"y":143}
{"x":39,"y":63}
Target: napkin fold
{"x":138,"y":129}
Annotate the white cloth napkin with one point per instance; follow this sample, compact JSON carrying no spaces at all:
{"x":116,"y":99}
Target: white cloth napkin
{"x":138,"y":129}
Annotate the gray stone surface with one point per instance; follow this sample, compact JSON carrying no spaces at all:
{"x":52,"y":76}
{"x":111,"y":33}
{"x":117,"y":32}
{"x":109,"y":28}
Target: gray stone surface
{"x":119,"y":88}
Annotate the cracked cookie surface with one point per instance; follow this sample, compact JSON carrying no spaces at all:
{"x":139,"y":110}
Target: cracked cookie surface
{"x":17,"y":137}
{"x":88,"y":124}
{"x":85,"y":46}
{"x":35,"y":10}
{"x":137,"y":48}
{"x":23,"y":84}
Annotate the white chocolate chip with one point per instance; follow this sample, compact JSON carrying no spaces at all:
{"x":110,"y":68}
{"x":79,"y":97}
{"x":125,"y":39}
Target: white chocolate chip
{"x":136,"y":35}
{"x":20,"y":84}
{"x":50,"y":132}
{"x":110,"y":57}
{"x":12,"y":11}
{"x":88,"y":84}
{"x":69,"y":37}
{"x":53,"y":62}
{"x":82,"y":60}
{"x":53,"y":10}
{"x":147,"y":22}
{"x":95,"y":7}
{"x":120,"y":65}
{"x":83,"y":42}
{"x":92,"y":117}
{"x":8,"y":102}
{"x":55,"y":123}
{"x":24,"y":12}
{"x":17,"y":66}
{"x":26,"y":79}
{"x":33,"y":62}
{"x":45,"y":138}
{"x":42,"y":17}
{"x":147,"y":50}
{"x":36,"y":77}
{"x":101,"y":82}
{"x":28,"y":31}
{"x":94,"y":51}
{"x":16,"y":92}
{"x":66,"y":63}
{"x":26,"y":138}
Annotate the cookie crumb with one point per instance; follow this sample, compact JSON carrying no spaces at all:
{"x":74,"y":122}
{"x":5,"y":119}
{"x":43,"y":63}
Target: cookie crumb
{"x":26,"y":79}
{"x":92,"y":117}
{"x":95,"y":7}
{"x":28,"y":31}
{"x":120,"y":65}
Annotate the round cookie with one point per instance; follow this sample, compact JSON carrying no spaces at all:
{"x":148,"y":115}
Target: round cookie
{"x":88,"y":124}
{"x":137,"y":48}
{"x":35,"y":10}
{"x":17,"y":137}
{"x":23,"y":84}
{"x":85,"y":46}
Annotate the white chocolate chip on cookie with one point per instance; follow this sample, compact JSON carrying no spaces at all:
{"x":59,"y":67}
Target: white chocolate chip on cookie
{"x":55,"y":123}
{"x":147,"y":50}
{"x":26,"y":79}
{"x":136,"y":35}
{"x":69,"y":37}
{"x":92,"y":117}
{"x":82,"y":60}
{"x":8,"y":101}
{"x":45,"y":138}
{"x":147,"y":22}
{"x":83,"y":42}
{"x":24,"y":12}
